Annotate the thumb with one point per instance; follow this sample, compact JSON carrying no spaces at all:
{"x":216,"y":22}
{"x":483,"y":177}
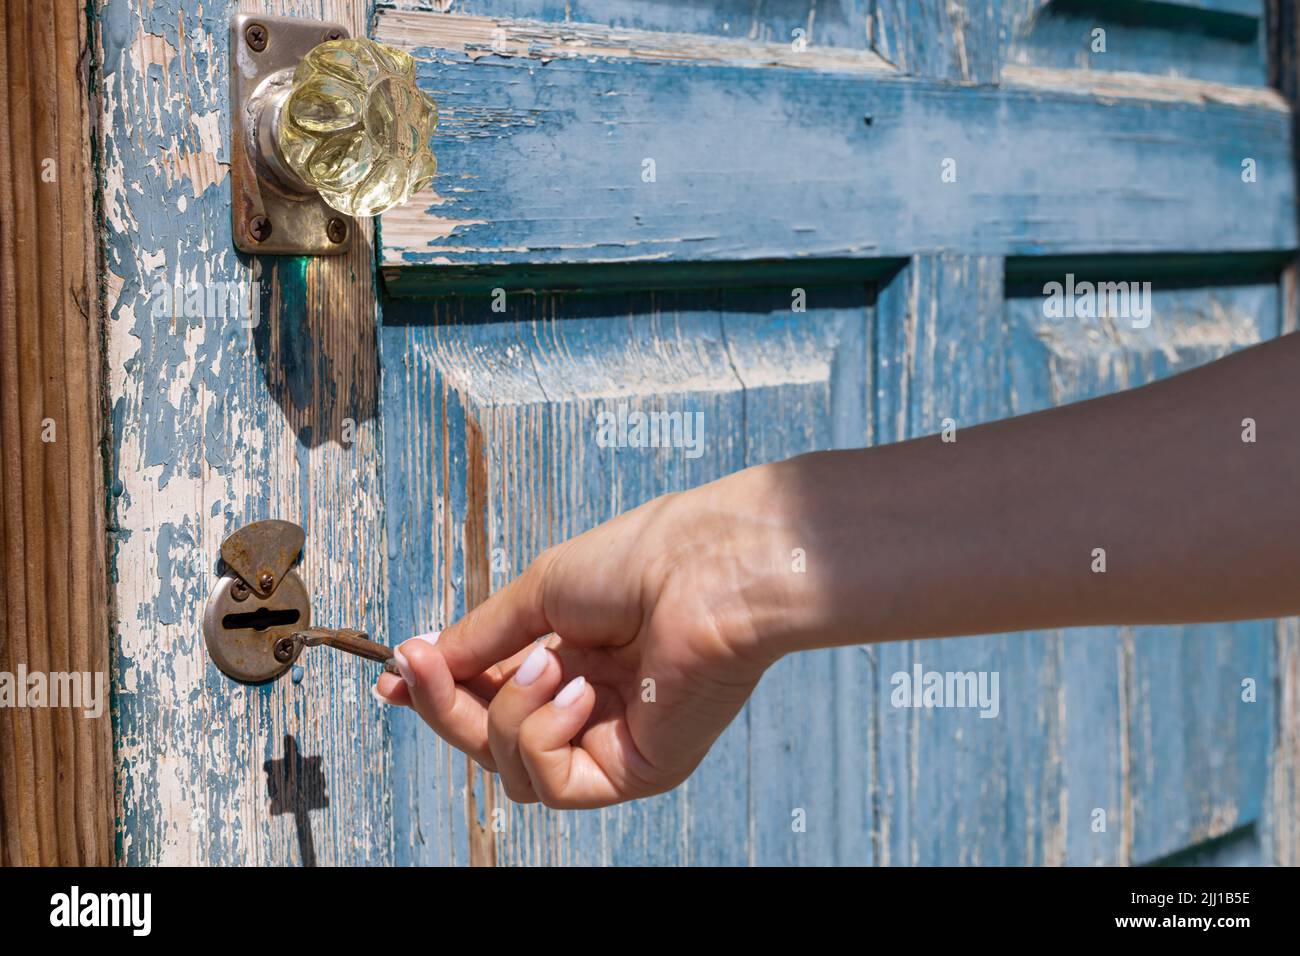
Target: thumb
{"x":508,"y":621}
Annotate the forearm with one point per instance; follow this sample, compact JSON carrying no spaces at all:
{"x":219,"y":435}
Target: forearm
{"x":1006,"y":528}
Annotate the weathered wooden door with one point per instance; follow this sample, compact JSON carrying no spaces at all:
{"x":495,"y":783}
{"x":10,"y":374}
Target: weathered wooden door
{"x":800,"y":224}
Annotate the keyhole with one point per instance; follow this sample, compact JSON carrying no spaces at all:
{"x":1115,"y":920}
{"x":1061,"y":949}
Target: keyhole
{"x":260,"y":619}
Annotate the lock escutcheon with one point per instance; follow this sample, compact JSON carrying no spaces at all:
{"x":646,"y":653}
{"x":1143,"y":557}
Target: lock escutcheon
{"x":242,"y":628}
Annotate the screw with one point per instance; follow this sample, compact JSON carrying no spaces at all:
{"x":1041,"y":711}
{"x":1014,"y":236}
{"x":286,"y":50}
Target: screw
{"x":255,"y":34}
{"x":337,"y":230}
{"x":265,"y":580}
{"x":334,"y":34}
{"x":259,"y":227}
{"x":284,"y":650}
{"x":239,"y":590}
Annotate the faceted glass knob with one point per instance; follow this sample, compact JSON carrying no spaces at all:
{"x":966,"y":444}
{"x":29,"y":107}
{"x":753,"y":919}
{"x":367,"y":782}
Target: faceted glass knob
{"x":356,"y":127}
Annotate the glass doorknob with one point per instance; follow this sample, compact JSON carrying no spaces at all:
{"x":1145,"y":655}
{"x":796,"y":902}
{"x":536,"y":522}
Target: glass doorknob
{"x":355,"y":128}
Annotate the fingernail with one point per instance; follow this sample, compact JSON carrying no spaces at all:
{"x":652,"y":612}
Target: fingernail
{"x":404,"y":667}
{"x":532,"y":667}
{"x":571,"y":692}
{"x":374,"y":692}
{"x":430,"y":638}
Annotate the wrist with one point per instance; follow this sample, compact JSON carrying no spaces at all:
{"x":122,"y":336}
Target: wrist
{"x":785,"y":535}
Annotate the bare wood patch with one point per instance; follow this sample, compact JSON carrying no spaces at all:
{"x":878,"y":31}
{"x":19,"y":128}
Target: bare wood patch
{"x":1142,"y":86}
{"x":477,"y":37}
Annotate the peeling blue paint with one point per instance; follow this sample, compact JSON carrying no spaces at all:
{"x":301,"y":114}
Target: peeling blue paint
{"x":173,"y":573}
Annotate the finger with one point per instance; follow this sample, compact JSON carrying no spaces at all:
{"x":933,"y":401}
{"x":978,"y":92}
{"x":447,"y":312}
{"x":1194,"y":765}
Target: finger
{"x":533,"y":684}
{"x":507,"y":622}
{"x":564,"y":776}
{"x":487,"y":684}
{"x":456,"y":714}
{"x":391,"y":689}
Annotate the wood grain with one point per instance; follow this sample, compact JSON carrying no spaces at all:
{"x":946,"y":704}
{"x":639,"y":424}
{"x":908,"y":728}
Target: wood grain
{"x":1213,"y":40}
{"x":489,"y":452}
{"x":544,"y":142}
{"x":221,"y":419}
{"x":55,"y":762}
{"x":492,"y":454}
{"x":842,"y":25}
{"x":1128,"y":721}
{"x":955,"y":40}
{"x":1153,"y":728}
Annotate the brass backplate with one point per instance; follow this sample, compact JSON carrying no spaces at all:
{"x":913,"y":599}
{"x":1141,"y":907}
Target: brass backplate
{"x":241,"y":628}
{"x":261,"y":62}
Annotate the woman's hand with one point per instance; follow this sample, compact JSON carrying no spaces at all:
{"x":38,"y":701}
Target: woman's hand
{"x":658,"y":637}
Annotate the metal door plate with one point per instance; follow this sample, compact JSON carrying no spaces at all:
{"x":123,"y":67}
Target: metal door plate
{"x":298,"y":223}
{"x":262,"y":552}
{"x":241,"y":633}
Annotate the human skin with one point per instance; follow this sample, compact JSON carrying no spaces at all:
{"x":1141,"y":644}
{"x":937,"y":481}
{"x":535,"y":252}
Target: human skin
{"x":700,"y":591}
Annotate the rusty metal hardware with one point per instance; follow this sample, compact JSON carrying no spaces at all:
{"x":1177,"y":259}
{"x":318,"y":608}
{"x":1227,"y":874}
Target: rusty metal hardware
{"x":262,"y":553}
{"x":258,"y":617}
{"x":343,"y":639}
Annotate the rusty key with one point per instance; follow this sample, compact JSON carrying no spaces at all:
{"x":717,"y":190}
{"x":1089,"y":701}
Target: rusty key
{"x":344,"y":639}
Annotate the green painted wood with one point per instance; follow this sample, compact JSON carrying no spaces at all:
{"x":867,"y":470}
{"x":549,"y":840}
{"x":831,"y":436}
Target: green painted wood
{"x":1242,"y":8}
{"x":406,"y":282}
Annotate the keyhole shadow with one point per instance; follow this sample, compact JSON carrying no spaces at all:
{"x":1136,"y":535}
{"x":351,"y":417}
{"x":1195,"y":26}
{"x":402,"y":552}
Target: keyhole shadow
{"x":296,"y":784}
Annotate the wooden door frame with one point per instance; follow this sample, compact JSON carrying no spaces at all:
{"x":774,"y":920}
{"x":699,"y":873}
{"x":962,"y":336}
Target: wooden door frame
{"x":56,"y":764}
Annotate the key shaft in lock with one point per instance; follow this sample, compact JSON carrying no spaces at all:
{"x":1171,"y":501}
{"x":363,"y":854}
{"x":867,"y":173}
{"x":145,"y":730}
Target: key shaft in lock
{"x":343,"y":639}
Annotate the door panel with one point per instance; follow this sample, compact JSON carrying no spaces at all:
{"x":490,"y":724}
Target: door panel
{"x":544,"y":156}
{"x":777,"y":169}
{"x":521,"y":396}
{"x":1145,"y":724}
{"x":1196,"y":752}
